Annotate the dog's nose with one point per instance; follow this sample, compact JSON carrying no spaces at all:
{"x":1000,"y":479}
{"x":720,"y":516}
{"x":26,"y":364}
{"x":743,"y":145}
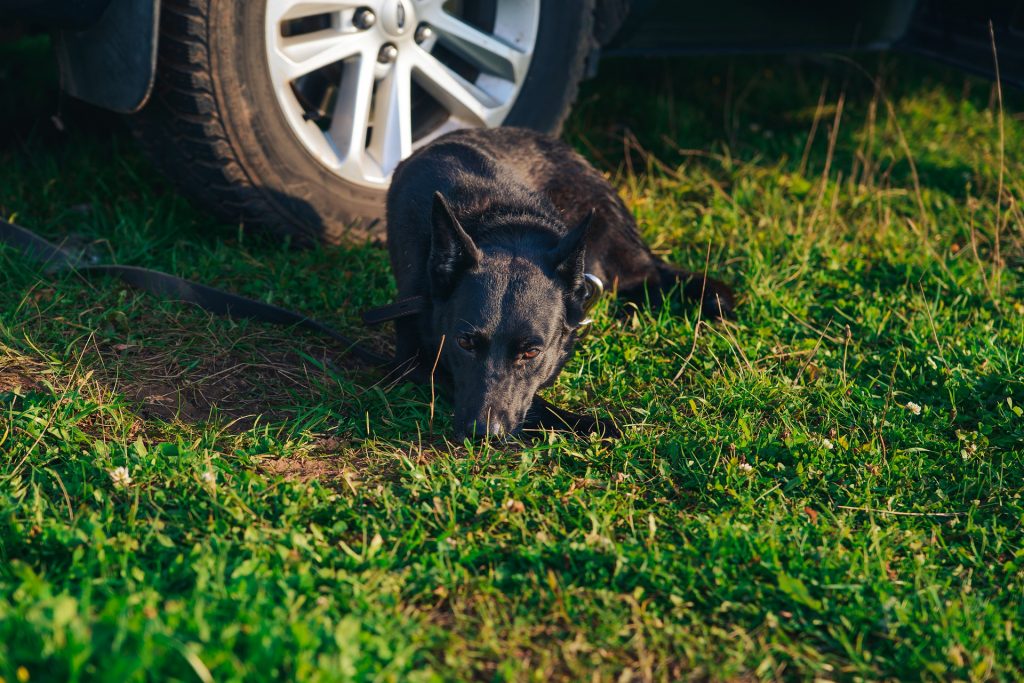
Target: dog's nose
{"x":480,"y":429}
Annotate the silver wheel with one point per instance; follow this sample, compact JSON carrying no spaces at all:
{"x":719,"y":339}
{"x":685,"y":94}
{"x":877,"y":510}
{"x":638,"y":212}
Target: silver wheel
{"x":362,"y":83}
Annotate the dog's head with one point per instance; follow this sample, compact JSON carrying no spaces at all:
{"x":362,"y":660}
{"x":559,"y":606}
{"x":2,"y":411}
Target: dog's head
{"x":507,"y":318}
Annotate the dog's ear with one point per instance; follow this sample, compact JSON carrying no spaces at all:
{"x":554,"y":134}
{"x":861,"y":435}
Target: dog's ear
{"x":570,"y":254}
{"x":452,"y":251}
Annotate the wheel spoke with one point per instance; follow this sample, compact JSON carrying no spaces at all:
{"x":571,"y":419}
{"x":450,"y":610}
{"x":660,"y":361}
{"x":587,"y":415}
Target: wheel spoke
{"x":391,"y":139}
{"x":351,"y":115}
{"x":304,"y":54}
{"x":455,"y":93}
{"x":283,"y":10}
{"x":482,"y":50}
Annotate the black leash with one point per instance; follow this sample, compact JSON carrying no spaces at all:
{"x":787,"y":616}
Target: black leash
{"x":56,"y":259}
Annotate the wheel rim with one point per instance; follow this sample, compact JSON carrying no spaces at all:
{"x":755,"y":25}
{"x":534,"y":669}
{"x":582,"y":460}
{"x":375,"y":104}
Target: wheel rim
{"x":364,"y":83}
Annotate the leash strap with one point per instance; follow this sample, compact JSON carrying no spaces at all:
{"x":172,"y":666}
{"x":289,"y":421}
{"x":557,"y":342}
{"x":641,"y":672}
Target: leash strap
{"x":56,"y":259}
{"x":393,"y":311}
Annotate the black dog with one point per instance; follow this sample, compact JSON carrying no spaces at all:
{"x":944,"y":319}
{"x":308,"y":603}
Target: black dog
{"x":494,"y":232}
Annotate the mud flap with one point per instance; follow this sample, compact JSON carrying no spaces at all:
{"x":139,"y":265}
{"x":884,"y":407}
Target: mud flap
{"x":112,"y":63}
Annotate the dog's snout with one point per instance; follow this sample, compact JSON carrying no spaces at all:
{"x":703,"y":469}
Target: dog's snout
{"x":482,"y":429}
{"x":488,"y":423}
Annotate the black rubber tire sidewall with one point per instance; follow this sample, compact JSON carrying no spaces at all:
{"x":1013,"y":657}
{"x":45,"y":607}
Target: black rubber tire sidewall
{"x":564,"y":42}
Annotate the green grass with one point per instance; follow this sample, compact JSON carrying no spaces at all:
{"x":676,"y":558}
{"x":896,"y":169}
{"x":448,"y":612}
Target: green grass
{"x":774,"y":510}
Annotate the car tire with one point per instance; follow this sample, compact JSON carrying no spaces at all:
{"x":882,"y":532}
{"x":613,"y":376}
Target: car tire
{"x":215,"y":126}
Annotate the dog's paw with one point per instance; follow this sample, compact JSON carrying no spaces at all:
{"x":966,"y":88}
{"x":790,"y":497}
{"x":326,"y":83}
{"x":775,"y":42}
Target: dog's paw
{"x":544,"y":415}
{"x":717,"y":302}
{"x":604,"y":429}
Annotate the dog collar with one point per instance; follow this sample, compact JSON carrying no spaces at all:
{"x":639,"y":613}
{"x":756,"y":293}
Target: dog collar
{"x":595,"y":288}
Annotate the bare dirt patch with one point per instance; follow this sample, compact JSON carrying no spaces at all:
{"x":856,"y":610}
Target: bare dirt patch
{"x":183,"y":366}
{"x":12,"y":379}
{"x":180,"y":364}
{"x":335,"y":462}
{"x":330,"y":462}
{"x":334,"y":469}
{"x":20,"y":374}
{"x":170,"y":383}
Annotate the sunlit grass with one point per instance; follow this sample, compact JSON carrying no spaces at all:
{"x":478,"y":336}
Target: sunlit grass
{"x":829,"y":487}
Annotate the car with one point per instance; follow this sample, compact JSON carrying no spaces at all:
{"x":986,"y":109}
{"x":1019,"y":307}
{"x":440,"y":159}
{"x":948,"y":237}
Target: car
{"x":293,"y":114}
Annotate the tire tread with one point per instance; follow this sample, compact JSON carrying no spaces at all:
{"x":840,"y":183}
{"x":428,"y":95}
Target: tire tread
{"x":182,"y":126}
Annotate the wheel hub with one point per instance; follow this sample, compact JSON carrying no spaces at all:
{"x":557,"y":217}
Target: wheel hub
{"x":396,"y":17}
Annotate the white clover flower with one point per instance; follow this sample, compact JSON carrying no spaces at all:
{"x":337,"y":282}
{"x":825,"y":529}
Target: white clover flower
{"x":209,"y":478}
{"x":120,"y":477}
{"x":913,"y":407}
{"x":599,"y":540}
{"x":745,"y":467}
{"x":827,"y":444}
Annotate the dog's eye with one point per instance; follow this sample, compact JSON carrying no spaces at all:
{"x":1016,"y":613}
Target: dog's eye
{"x":529,"y":353}
{"x":467,"y":342}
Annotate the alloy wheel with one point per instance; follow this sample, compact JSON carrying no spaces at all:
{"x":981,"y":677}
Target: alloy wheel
{"x":362,"y":84}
